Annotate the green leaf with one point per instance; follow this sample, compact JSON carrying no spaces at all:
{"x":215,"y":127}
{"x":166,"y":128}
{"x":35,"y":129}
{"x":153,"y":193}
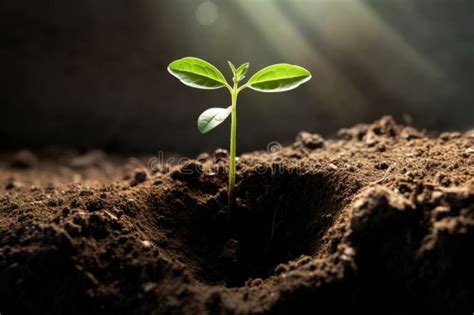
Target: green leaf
{"x":279,"y":78}
{"x":197,"y":73}
{"x":232,"y":67}
{"x":242,"y":70}
{"x":239,"y":73}
{"x":212,"y":117}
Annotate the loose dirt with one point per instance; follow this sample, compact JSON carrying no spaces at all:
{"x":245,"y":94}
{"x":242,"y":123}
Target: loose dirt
{"x":380,"y":218}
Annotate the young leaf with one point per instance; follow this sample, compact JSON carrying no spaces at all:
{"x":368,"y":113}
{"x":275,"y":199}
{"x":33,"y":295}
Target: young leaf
{"x":232,"y":67}
{"x":242,"y":70}
{"x":197,"y":73}
{"x":279,"y":78}
{"x":212,"y":117}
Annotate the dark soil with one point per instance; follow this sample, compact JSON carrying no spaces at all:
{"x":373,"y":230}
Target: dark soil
{"x":380,"y":219}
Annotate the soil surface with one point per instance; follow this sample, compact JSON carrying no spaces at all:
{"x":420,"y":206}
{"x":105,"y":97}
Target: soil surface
{"x":379,"y":219}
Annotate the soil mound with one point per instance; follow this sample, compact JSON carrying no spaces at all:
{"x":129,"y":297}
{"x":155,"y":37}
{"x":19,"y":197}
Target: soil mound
{"x":379,"y":219}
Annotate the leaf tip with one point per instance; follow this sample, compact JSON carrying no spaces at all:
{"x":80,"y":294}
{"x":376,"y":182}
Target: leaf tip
{"x":231,"y":65}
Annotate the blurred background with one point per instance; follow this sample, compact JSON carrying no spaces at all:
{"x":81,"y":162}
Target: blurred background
{"x":92,"y":74}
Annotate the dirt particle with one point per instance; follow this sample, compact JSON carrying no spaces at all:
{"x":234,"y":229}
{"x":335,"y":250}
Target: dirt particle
{"x":110,"y":215}
{"x":95,"y":204}
{"x":349,"y":251}
{"x":254,"y":282}
{"x":371,"y":140}
{"x":440,"y":212}
{"x":381,"y":165}
{"x":12,"y":184}
{"x":348,"y":254}
{"x":23,"y":159}
{"x":66,"y":211}
{"x":203,"y":157}
{"x":381,"y":147}
{"x":86,"y":192}
{"x":149,"y":286}
{"x":53,"y":234}
{"x":350,"y":167}
{"x":355,"y":133}
{"x":189,"y":169}
{"x":446,"y":136}
{"x":309,"y":140}
{"x":281,"y":268}
{"x":410,"y":133}
{"x":92,"y":280}
{"x":295,"y":155}
{"x":146,"y":243}
{"x":376,"y":206}
{"x":79,"y":219}
{"x":443,"y":179}
{"x":55,"y":202}
{"x":220,"y":154}
{"x":303,"y":261}
{"x":139,"y":177}
{"x":385,"y":126}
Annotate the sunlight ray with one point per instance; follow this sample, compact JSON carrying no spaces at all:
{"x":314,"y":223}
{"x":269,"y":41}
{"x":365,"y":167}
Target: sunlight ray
{"x":282,"y":34}
{"x":352,"y":27}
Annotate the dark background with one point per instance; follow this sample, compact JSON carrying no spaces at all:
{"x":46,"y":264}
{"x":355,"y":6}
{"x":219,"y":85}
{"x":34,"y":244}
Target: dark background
{"x":93,"y":73}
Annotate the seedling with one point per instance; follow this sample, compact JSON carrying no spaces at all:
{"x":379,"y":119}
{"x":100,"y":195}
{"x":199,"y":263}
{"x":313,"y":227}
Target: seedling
{"x":200,"y":74}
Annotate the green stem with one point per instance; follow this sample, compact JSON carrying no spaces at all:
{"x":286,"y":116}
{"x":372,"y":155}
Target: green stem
{"x":233,"y":147}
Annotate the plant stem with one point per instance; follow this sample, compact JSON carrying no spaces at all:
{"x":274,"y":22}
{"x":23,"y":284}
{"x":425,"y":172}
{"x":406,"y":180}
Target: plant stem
{"x":233,"y":147}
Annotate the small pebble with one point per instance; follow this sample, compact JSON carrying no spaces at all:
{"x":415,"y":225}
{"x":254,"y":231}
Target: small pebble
{"x":146,"y":243}
{"x":220,"y":154}
{"x":11,"y":184}
{"x":148,"y":286}
{"x":140,"y":176}
{"x":381,"y":166}
{"x":309,"y":140}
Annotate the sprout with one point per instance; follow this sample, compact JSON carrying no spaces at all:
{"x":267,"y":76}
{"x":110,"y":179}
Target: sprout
{"x":200,"y":74}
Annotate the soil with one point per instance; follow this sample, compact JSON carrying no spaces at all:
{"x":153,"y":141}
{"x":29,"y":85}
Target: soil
{"x":380,"y":218}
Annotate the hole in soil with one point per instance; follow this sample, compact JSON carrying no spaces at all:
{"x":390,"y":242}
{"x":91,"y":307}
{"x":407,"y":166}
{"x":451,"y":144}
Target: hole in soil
{"x":278,"y":218}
